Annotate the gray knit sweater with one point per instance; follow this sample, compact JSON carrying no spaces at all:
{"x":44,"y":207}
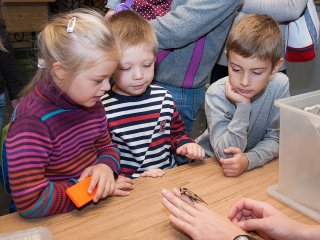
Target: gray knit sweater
{"x":254,"y":127}
{"x":179,"y":29}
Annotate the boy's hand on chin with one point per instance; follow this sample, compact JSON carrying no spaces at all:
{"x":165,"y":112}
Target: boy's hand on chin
{"x":234,"y":96}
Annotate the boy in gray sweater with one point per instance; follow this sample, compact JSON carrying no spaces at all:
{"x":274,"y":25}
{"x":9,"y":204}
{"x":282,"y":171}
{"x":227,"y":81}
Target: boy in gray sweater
{"x":243,"y":123}
{"x":184,"y":71}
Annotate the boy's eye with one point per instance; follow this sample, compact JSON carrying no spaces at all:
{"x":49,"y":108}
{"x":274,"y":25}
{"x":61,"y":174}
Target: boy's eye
{"x":257,"y":73}
{"x":147,"y":65}
{"x":236,"y":69}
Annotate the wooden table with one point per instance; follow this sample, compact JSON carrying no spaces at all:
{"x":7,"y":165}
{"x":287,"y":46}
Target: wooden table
{"x":142,"y":216}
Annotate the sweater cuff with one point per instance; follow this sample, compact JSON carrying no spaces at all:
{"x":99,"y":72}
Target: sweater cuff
{"x":183,"y":142}
{"x":254,"y":160}
{"x":111,"y":162}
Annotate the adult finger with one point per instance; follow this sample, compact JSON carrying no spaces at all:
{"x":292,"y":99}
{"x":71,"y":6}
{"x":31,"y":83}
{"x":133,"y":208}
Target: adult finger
{"x":177,"y":211}
{"x":186,"y":206}
{"x":184,"y":226}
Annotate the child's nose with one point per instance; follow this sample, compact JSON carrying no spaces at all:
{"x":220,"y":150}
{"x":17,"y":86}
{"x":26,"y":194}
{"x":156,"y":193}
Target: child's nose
{"x":138,"y":74}
{"x":245,"y":81}
{"x":105,"y":85}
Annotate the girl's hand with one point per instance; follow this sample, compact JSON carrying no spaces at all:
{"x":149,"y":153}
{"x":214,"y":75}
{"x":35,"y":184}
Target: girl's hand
{"x":192,"y":151}
{"x":233,"y":96}
{"x":234,"y":166}
{"x":123,"y":186}
{"x":153,"y":173}
{"x":102,"y":177}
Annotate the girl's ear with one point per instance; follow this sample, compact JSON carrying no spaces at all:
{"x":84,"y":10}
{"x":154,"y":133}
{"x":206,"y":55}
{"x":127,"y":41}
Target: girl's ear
{"x":59,"y":71}
{"x":277,"y":66}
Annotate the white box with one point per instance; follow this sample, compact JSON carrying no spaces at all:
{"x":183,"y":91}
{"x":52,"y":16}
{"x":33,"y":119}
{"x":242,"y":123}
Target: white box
{"x":299,"y":156}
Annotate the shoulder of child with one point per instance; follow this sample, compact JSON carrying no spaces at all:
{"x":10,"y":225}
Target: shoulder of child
{"x":155,"y":87}
{"x":218,"y":87}
{"x":279,"y":78}
{"x":279,"y":85}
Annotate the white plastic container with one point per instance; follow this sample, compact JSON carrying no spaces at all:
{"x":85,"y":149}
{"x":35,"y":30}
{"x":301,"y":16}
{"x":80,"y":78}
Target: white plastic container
{"x":299,"y":156}
{"x":37,"y":233}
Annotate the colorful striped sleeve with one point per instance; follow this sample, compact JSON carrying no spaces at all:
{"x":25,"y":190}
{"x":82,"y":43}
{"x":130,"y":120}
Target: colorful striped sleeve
{"x":28,"y":147}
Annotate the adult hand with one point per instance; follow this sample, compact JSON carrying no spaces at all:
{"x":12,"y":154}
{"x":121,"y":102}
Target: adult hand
{"x":233,"y":96}
{"x":197,"y":220}
{"x":102,"y":177}
{"x":123,"y":186}
{"x":269,"y":223}
{"x":234,"y":166}
{"x":192,"y":151}
{"x":153,"y":173}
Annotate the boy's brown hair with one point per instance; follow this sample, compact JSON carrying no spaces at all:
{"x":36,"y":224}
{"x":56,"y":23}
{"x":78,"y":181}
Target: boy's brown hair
{"x":256,"y":36}
{"x":130,"y":29}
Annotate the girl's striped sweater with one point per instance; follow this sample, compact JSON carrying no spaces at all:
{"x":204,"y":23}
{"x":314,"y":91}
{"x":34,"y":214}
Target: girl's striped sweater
{"x":51,"y":140}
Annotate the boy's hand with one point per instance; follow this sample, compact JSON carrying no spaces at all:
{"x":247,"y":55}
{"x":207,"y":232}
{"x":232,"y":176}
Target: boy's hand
{"x":101,"y":175}
{"x":123,"y":186}
{"x":153,"y":173}
{"x":234,"y":166}
{"x":233,"y":96}
{"x":192,"y":151}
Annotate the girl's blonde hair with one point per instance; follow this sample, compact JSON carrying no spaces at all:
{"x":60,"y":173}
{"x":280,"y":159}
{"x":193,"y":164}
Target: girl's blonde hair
{"x":89,"y":41}
{"x":256,"y":36}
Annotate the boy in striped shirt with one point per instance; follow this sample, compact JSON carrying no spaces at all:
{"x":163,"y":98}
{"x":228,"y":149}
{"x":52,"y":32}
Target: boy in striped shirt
{"x":143,"y":119}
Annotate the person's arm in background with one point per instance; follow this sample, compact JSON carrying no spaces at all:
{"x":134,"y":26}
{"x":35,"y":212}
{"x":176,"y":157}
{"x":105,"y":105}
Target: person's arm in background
{"x":112,"y":4}
{"x":8,"y":68}
{"x":191,"y":20}
{"x":280,"y":10}
{"x":188,"y":21}
{"x":269,"y":223}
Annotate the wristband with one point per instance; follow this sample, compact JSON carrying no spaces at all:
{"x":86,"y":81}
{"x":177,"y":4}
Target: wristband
{"x":244,"y":237}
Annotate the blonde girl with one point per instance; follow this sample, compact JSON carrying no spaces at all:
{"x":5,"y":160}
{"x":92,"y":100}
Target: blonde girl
{"x":58,"y":133}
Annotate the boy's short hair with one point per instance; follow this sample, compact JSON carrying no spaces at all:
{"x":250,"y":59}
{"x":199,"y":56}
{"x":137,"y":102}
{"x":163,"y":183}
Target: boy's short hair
{"x":256,"y":36}
{"x":130,"y":29}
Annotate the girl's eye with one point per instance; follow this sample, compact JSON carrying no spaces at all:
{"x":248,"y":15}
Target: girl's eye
{"x":124,"y":68}
{"x":99,"y":81}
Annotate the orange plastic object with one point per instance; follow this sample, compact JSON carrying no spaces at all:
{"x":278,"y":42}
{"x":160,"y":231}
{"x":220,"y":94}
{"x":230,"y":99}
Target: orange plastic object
{"x":78,"y":193}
